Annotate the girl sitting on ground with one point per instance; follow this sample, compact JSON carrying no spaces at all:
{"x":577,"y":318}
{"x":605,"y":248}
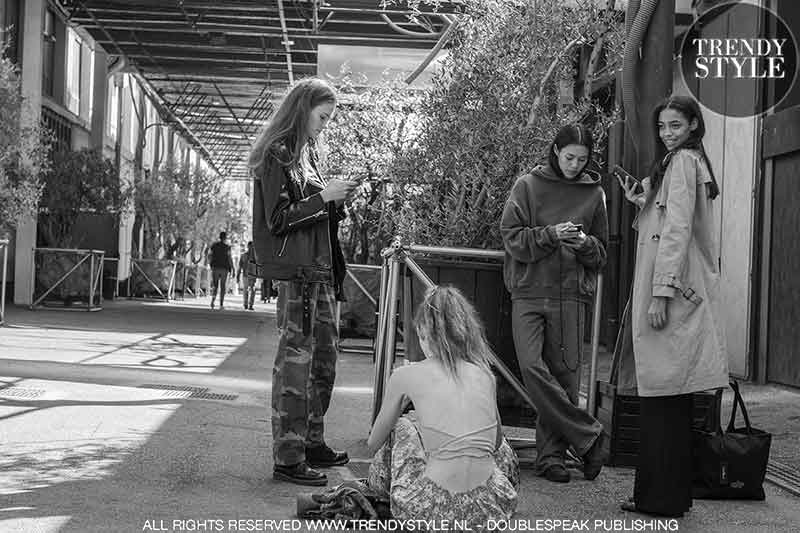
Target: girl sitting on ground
{"x":453,"y":463}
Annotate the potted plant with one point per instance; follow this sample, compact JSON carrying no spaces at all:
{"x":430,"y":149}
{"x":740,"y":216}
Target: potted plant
{"x":182,"y":213}
{"x":23,"y":156}
{"x":23,"y":153}
{"x":500,"y":95}
{"x":82,"y":186}
{"x":374,"y":124}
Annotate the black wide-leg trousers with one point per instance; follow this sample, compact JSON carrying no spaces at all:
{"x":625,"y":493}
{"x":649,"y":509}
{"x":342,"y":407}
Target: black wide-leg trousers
{"x":663,"y":483}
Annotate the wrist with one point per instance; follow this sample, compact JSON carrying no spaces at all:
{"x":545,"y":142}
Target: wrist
{"x":552,"y":234}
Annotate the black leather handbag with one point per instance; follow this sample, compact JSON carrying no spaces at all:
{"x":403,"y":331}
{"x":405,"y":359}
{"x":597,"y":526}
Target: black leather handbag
{"x":731,"y":465}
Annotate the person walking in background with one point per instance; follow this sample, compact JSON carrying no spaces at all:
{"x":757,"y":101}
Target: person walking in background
{"x":453,"y":463}
{"x":267,"y":292}
{"x":555,"y":231}
{"x":678,"y":344}
{"x":247,"y":266}
{"x":296,"y":214}
{"x":221,"y":263}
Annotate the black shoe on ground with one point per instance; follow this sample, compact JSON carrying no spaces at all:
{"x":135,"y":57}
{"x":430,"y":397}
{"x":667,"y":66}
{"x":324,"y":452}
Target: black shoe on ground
{"x":300,"y":474}
{"x":323,"y":457}
{"x":631,"y":507}
{"x":557,"y":474}
{"x":595,"y":457}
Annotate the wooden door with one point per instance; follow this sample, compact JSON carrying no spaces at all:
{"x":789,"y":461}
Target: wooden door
{"x":782,"y":150}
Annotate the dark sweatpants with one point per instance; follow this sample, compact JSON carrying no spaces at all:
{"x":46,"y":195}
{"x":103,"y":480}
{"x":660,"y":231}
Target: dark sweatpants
{"x":551,"y":375}
{"x":663,"y":483}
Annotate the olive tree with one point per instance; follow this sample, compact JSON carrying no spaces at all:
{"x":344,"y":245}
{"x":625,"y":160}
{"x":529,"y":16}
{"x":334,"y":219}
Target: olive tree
{"x":495,"y":104}
{"x":23,"y":152}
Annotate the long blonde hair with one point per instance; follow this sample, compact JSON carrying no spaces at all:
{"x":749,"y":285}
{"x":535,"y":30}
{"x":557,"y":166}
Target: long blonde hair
{"x":452,"y":329}
{"x":289,"y":124}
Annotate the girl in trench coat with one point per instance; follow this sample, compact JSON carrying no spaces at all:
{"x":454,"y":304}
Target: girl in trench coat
{"x":678,"y":344}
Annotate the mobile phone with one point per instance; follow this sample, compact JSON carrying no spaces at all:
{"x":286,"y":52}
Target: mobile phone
{"x":625,"y":175}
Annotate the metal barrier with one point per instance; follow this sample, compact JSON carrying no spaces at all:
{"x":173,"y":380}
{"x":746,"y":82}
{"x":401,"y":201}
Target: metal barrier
{"x":398,"y":256}
{"x":4,"y":247}
{"x":194,"y":278}
{"x":137,"y":264}
{"x":360,"y":310}
{"x":114,"y":264}
{"x":94,"y":258}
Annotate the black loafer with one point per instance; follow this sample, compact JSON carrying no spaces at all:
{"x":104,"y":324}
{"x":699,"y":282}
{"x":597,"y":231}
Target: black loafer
{"x":323,"y":457}
{"x":557,"y":474}
{"x":300,"y":474}
{"x":595,"y":457}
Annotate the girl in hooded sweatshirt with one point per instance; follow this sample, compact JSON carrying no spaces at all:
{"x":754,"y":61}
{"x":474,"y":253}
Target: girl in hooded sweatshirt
{"x":555,"y":230}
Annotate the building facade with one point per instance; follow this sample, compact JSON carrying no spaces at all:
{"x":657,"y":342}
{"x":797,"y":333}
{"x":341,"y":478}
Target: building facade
{"x":87,"y":99}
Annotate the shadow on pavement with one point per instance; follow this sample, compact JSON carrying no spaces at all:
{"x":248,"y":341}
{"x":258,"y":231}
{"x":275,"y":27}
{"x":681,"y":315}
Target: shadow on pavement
{"x":207,"y":460}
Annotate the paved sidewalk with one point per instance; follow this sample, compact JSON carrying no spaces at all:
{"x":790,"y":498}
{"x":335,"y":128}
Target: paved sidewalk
{"x":149,"y":416}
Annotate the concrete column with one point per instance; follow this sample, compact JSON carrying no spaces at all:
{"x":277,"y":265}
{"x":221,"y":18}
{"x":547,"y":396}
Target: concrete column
{"x":126,"y":175}
{"x":33,"y":20}
{"x":170,"y":145}
{"x":99,"y":98}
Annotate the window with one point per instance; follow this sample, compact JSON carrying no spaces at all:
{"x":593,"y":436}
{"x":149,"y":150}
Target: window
{"x":74,"y":67}
{"x":49,"y":53}
{"x":132,"y":95}
{"x":87,"y":81}
{"x":11,"y":24}
{"x":112,"y":112}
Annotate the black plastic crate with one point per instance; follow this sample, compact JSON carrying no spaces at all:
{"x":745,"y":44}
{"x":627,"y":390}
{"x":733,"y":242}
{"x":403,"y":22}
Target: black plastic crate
{"x":619,"y":414}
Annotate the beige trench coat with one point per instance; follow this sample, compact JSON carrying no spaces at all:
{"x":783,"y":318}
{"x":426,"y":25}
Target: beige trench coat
{"x":677,"y":257}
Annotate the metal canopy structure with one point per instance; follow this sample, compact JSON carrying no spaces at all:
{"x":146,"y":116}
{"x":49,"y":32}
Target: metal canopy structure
{"x":215,"y":67}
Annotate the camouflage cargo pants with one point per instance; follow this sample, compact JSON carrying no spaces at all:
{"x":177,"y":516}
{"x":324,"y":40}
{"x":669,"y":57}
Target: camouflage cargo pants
{"x":304,"y":370}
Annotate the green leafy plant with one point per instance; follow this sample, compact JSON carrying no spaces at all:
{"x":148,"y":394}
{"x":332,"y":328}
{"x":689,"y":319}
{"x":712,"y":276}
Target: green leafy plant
{"x":81,"y":181}
{"x":183,"y":212}
{"x":23,"y":152}
{"x":499,"y":97}
{"x":372,"y":127}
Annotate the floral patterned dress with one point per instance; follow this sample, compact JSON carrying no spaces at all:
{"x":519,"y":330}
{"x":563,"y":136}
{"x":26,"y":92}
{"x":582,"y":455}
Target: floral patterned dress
{"x":398,"y":470}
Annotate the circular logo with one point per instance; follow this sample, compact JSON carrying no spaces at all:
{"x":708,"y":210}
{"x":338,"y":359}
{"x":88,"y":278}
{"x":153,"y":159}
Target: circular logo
{"x":731,"y":51}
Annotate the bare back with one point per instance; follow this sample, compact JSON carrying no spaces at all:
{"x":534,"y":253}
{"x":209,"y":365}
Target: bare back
{"x":457,"y":419}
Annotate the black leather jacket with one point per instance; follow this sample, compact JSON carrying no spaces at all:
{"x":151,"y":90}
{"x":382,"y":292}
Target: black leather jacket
{"x":294,"y":230}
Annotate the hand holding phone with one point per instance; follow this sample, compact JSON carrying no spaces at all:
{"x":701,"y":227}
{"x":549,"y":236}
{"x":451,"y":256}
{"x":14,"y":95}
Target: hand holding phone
{"x":634,"y":189}
{"x":627,"y":177}
{"x":567,"y":230}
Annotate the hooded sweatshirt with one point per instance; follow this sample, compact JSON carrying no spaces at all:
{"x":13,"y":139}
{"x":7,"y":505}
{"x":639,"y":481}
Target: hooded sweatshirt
{"x":536,"y":264}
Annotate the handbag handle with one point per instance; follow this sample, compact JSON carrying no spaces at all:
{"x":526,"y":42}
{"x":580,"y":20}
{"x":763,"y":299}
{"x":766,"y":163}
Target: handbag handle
{"x":738,"y":401}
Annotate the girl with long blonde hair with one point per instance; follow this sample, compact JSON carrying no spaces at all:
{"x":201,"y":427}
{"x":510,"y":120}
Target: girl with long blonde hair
{"x":453,"y":463}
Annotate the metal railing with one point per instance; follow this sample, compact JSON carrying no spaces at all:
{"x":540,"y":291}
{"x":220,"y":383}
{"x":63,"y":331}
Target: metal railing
{"x":193,"y":283}
{"x":94,"y":258}
{"x":4,"y":248}
{"x":351,"y":305}
{"x":398,"y":256}
{"x":113,"y":263}
{"x":136,"y":264}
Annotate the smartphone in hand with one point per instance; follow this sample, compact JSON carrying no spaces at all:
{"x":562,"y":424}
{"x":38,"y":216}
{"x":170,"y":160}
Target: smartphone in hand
{"x":628,"y":178}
